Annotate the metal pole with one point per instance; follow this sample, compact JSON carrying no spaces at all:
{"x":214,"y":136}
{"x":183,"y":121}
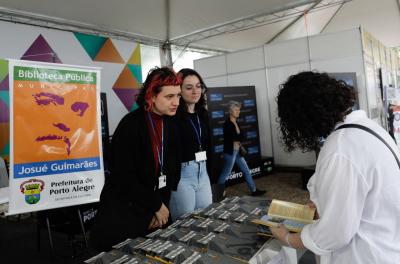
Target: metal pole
{"x":165,"y":49}
{"x":330,"y":20}
{"x":291,"y":23}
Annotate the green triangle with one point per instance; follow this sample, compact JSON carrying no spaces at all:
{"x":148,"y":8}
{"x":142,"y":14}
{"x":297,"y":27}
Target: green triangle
{"x":3,"y":69}
{"x":134,"y":107}
{"x":136,"y":70}
{"x":4,"y":96}
{"x":6,"y":150}
{"x":92,"y":44}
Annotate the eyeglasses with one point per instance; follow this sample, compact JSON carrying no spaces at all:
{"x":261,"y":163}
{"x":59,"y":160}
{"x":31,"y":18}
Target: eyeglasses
{"x":199,"y":86}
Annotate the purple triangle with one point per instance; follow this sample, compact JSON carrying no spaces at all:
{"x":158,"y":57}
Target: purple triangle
{"x":4,"y":113}
{"x":40,"y":50}
{"x":127,"y":96}
{"x":4,"y":84}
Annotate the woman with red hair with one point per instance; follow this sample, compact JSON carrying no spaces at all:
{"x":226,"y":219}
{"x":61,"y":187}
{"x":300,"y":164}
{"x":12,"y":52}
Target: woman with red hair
{"x":145,"y":160}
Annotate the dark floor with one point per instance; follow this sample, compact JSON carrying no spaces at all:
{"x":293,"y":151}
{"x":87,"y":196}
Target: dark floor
{"x":285,"y":186}
{"x":18,"y":234}
{"x":18,"y":243}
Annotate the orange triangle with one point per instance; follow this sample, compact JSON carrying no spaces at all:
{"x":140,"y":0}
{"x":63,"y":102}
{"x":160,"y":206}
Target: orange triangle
{"x":126,"y":80}
{"x":135,"y":57}
{"x":109,"y":53}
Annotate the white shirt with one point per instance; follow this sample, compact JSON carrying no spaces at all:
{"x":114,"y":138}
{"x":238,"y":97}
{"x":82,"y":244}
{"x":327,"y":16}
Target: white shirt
{"x":356,"y":189}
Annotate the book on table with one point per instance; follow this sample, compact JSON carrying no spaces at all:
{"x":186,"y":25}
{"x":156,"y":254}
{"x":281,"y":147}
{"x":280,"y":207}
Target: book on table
{"x":293,"y":216}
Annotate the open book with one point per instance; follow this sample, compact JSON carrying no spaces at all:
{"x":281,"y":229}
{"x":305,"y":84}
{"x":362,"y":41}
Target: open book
{"x":293,"y":216}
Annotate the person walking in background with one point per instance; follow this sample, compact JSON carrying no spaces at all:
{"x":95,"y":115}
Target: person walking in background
{"x":192,"y":189}
{"x":232,"y":144}
{"x":356,"y":184}
{"x":145,"y":159}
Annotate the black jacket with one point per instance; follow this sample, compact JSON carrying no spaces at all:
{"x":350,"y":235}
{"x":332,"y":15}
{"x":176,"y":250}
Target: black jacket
{"x":230,"y":135}
{"x":188,"y":140}
{"x":130,"y":196}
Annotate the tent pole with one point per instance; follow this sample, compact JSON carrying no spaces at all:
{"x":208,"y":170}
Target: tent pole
{"x":165,"y":48}
{"x":330,"y":20}
{"x":291,"y":23}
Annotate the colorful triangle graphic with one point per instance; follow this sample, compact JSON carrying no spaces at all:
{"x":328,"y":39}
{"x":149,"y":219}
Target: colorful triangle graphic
{"x":126,"y":79}
{"x":4,"y":139}
{"x":4,"y":96}
{"x":4,"y":84}
{"x":40,"y":50}
{"x":6,"y":151}
{"x":4,"y":112}
{"x":109,"y":53}
{"x":3,"y":70}
{"x":136,"y":70}
{"x":134,"y":107}
{"x":92,"y":44}
{"x":127,"y":96}
{"x":135,"y":57}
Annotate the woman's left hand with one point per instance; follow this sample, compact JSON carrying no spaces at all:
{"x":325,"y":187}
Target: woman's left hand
{"x":279,"y":232}
{"x":292,"y":240}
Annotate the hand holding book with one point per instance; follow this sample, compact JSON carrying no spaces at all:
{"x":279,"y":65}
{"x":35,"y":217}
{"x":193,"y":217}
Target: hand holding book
{"x":283,"y":217}
{"x":293,"y":216}
{"x":290,"y":239}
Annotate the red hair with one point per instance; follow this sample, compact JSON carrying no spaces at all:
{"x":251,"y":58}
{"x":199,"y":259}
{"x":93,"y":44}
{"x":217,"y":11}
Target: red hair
{"x":156,"y":79}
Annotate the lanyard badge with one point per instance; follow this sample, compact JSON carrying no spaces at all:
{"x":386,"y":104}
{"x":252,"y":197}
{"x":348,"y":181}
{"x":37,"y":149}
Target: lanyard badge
{"x":200,"y":155}
{"x":162,"y":179}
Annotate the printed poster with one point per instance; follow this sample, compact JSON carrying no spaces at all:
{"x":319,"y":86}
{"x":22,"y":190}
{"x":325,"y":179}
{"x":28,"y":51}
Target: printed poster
{"x":218,"y":99}
{"x":55,"y":153}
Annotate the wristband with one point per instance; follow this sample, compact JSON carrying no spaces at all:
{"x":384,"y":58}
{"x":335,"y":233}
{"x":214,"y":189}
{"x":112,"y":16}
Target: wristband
{"x":287,"y":240}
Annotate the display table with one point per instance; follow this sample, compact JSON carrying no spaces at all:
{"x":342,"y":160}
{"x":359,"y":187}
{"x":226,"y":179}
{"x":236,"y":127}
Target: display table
{"x":222,"y":233}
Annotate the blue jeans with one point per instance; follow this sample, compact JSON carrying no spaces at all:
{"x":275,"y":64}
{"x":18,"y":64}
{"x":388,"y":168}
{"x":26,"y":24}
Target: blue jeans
{"x":194,"y":190}
{"x":229,"y":161}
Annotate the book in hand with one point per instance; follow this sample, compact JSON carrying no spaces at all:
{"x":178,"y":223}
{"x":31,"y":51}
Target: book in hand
{"x":293,"y":216}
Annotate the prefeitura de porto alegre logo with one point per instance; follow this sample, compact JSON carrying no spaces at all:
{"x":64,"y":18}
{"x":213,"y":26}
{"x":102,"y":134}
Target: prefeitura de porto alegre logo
{"x":32,"y":189}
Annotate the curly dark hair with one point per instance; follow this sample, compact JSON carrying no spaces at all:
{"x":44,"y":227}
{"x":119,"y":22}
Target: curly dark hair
{"x":201,"y":105}
{"x":156,"y":78}
{"x":309,"y":106}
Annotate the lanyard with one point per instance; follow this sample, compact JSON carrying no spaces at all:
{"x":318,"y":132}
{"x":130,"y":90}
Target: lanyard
{"x":160,"y":157}
{"x":198,"y":133}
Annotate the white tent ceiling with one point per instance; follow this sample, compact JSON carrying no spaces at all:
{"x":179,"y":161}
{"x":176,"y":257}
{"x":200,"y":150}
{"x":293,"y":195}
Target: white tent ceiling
{"x":224,"y":25}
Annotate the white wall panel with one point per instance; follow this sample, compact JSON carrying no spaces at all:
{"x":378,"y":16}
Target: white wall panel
{"x":258,"y":79}
{"x":286,"y":53}
{"x":245,"y":60}
{"x":276,"y":76}
{"x":330,"y":52}
{"x":336,"y":45}
{"x":16,"y":38}
{"x":219,"y":81}
{"x":212,"y":66}
{"x":348,"y":64}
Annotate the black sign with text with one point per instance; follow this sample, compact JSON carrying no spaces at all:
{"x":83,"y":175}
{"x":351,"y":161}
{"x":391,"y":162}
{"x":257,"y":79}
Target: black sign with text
{"x":218,"y":99}
{"x":105,"y":135}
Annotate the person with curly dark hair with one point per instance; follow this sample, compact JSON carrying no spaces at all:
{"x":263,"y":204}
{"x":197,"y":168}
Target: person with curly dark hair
{"x":145,"y":161}
{"x":356,"y":184}
{"x":193,"y":189}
